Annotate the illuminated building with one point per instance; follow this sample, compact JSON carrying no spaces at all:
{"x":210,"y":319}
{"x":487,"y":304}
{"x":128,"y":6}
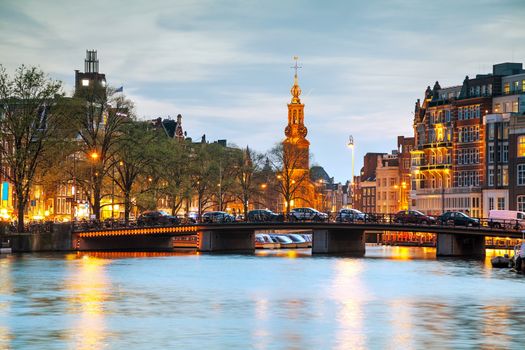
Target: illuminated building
{"x":296,"y":147}
{"x":90,"y":79}
{"x":388,"y":185}
{"x":450,"y":169}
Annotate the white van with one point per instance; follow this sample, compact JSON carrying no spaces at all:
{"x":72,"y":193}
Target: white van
{"x":506,"y":219}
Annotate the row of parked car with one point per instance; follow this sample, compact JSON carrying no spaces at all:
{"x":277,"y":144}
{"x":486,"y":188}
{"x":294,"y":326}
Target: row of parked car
{"x":497,"y":218}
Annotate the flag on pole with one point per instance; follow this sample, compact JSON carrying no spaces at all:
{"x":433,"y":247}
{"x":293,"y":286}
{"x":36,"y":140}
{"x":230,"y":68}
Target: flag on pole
{"x":120,"y":89}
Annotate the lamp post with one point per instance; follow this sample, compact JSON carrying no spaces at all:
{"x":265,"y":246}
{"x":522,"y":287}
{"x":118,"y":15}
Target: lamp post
{"x":94,"y":157}
{"x":351,"y":145}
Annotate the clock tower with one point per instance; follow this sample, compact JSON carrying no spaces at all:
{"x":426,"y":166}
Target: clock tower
{"x":295,"y":131}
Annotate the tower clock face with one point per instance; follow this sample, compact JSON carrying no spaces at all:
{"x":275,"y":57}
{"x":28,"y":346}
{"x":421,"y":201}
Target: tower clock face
{"x":303,"y":131}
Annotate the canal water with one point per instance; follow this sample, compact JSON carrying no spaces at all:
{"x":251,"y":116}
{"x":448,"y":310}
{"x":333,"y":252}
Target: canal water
{"x":395,"y":297}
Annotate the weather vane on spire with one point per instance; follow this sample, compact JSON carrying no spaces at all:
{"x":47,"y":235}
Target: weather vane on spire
{"x":296,"y":66}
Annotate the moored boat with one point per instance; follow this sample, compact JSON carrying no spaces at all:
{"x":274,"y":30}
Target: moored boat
{"x":264,"y":241}
{"x":501,"y":261}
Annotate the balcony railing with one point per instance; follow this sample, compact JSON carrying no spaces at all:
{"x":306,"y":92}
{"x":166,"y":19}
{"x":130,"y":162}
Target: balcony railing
{"x":439,"y":144}
{"x":448,"y":190}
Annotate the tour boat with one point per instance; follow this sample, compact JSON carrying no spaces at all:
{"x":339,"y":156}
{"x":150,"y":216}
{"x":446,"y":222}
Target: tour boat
{"x":299,"y":240}
{"x":283,"y":240}
{"x":264,"y":241}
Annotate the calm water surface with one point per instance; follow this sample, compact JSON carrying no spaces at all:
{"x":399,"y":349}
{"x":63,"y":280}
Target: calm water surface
{"x":397,"y":298}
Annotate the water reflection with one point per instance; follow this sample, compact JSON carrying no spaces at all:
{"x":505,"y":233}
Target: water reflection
{"x":350,"y":292}
{"x":6,"y":292}
{"x":88,"y":285}
{"x":394,"y":297}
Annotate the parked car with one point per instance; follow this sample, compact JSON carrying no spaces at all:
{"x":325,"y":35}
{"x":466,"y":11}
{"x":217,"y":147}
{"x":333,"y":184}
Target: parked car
{"x":264,"y":215}
{"x":457,"y":218}
{"x":217,"y":217}
{"x":507,"y":219}
{"x":307,"y":214}
{"x":350,"y":215}
{"x":157,"y":217}
{"x":413,"y":217}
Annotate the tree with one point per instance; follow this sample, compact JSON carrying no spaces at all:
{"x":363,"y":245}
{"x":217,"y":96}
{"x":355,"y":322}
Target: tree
{"x":135,"y":152}
{"x":32,"y":111}
{"x":100,"y":118}
{"x":202,"y":170}
{"x":246,"y":170}
{"x":223,"y":173}
{"x":174,"y":170}
{"x":289,"y":162}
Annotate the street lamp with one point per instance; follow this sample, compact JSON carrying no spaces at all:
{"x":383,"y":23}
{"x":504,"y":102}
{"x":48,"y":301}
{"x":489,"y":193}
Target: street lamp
{"x":351,"y":145}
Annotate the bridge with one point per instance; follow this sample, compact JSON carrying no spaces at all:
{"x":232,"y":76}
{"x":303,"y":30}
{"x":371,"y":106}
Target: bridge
{"x":328,"y":237}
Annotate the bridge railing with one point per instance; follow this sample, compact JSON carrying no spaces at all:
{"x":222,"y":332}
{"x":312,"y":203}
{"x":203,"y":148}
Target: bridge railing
{"x":387,"y":219}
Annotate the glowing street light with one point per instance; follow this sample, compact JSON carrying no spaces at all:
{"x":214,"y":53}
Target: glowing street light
{"x":351,"y":145}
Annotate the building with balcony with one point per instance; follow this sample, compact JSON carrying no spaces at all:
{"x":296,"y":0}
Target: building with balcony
{"x":461,"y":151}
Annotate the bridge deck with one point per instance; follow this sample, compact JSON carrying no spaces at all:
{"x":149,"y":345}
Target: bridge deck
{"x":182,"y":230}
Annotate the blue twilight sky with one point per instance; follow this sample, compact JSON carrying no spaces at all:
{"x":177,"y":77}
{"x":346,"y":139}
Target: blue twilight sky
{"x":225,"y":65}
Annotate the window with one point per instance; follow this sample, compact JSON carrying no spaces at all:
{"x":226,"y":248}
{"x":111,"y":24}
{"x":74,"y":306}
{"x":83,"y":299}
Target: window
{"x":460,"y":113}
{"x":523,"y":85}
{"x":505,"y":176}
{"x":491,"y":131}
{"x":515,"y":107}
{"x":506,"y":88}
{"x":491,"y":153}
{"x":516,"y":86}
{"x":521,"y":146}
{"x":497,"y":108}
{"x":505,"y":157}
{"x":491,"y":177}
{"x":520,"y":201}
{"x":501,"y":203}
{"x":491,"y":203}
{"x":521,"y":174}
{"x":85,"y":82}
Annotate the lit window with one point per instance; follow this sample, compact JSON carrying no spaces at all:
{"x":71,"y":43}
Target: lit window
{"x":506,"y":88}
{"x":523,"y":85}
{"x":521,"y":146}
{"x":85,"y":82}
{"x":516,"y":86}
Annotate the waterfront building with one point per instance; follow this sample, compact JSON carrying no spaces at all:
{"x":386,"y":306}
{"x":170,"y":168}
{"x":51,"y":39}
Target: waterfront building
{"x":405,"y":145}
{"x":364,"y":185}
{"x":450,"y":164}
{"x":388,"y":186}
{"x":514,"y":90}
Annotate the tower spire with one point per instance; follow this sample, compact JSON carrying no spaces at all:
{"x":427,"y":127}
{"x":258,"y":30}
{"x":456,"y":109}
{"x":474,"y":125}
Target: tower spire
{"x":296,"y":90}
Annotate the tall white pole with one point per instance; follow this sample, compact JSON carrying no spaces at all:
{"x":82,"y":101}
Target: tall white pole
{"x":351,"y":146}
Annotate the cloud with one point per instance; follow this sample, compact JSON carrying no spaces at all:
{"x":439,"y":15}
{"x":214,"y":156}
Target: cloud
{"x":225,"y":65}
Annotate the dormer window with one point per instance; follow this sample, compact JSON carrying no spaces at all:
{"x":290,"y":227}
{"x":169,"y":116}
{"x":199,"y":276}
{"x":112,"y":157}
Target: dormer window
{"x":85,"y":82}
